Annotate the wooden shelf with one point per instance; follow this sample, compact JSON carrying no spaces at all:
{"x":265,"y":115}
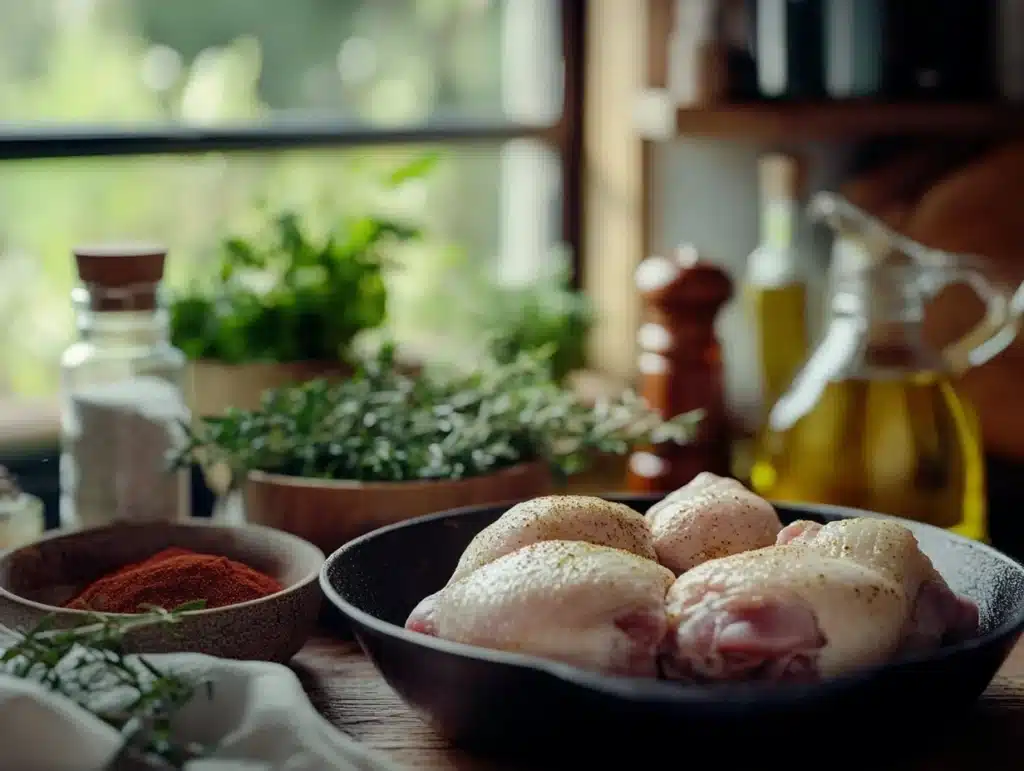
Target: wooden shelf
{"x":657,"y":118}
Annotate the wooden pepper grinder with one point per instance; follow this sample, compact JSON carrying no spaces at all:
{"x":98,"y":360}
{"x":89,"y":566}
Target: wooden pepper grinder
{"x":681,"y":367}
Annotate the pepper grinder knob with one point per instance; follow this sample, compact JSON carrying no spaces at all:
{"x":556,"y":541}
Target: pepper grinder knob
{"x":680,"y":366}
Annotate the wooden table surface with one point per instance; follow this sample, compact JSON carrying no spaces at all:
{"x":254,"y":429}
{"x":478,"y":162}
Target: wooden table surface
{"x":344,"y":686}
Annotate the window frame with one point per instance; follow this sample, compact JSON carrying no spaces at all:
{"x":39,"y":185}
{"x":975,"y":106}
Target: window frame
{"x":81,"y":141}
{"x":564,"y":135}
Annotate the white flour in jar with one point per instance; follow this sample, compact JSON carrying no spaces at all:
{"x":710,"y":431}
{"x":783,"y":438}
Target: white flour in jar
{"x":118,"y":439}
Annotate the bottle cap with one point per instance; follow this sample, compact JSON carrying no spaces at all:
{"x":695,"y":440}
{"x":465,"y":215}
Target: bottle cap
{"x":782,"y":176}
{"x":121,"y":276}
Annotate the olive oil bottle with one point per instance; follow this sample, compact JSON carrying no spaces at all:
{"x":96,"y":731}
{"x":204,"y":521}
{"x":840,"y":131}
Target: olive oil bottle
{"x":775,"y":288}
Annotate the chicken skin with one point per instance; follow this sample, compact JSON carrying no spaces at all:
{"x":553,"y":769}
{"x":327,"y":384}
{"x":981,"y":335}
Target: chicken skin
{"x":822,"y":602}
{"x":558,"y":518}
{"x":888,"y":547}
{"x":591,"y":606}
{"x":708,"y":518}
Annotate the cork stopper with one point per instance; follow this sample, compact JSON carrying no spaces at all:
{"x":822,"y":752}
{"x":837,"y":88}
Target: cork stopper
{"x":121,"y":277}
{"x":782,"y":176}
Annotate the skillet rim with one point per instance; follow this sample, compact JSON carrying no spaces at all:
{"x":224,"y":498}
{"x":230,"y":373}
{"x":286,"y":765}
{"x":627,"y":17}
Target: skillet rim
{"x":636,"y":690}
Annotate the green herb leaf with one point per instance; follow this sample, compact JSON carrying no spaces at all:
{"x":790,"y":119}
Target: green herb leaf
{"x":88,"y":665}
{"x":291,"y":295}
{"x":190,"y":605}
{"x":383,"y":424}
{"x":415,"y":169}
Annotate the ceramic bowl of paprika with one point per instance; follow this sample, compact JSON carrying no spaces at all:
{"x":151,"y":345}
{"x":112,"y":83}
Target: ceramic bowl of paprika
{"x":37,"y":580}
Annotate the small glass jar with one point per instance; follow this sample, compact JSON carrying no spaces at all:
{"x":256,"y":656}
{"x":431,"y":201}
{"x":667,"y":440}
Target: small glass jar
{"x":21,"y":520}
{"x":21,"y":514}
{"x":122,"y":404}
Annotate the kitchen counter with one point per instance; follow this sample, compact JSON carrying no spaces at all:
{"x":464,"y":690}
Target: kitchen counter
{"x":344,"y":686}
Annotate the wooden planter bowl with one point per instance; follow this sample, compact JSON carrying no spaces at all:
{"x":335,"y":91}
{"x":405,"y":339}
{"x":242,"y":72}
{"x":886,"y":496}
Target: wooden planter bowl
{"x":328,"y":514}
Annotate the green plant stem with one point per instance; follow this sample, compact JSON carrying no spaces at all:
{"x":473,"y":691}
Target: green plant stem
{"x":87,"y":663}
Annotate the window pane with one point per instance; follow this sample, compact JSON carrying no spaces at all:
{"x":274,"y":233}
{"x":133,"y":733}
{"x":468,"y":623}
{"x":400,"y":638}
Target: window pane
{"x":382,"y":62}
{"x":466,"y":205}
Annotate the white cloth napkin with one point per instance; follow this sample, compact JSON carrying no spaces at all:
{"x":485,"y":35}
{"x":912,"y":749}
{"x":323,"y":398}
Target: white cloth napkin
{"x":256,"y":713}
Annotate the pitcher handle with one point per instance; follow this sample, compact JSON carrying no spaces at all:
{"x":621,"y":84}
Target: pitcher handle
{"x":844,"y":218}
{"x":993,"y":334}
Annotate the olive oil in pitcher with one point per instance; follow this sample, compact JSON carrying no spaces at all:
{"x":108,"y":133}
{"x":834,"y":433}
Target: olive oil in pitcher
{"x":902,"y":445}
{"x":874,"y":419}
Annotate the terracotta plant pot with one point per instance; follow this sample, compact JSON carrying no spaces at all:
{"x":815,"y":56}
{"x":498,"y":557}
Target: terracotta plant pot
{"x":329,"y":514}
{"x":212,"y":386}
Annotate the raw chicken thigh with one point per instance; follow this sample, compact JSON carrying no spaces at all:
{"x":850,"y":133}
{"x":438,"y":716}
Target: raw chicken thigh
{"x":558,"y":518}
{"x":708,"y":518}
{"x":595,"y":607}
{"x":824,"y":601}
{"x":890,"y":548}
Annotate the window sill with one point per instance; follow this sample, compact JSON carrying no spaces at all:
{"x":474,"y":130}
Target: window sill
{"x":27,"y":425}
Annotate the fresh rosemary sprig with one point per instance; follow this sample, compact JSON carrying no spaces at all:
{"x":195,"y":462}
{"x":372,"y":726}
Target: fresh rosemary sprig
{"x":88,"y":665}
{"x":383,"y":424}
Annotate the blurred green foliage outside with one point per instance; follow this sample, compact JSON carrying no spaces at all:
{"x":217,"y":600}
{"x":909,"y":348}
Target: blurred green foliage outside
{"x":202,"y":63}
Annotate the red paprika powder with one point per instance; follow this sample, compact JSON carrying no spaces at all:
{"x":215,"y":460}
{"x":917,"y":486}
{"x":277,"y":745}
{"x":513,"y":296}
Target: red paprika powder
{"x":171,"y":578}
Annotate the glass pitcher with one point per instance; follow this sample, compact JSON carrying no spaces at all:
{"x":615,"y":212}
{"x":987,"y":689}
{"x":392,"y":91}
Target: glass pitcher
{"x":874,"y":419}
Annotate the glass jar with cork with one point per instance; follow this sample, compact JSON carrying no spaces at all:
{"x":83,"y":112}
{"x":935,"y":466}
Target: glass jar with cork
{"x":122,"y":404}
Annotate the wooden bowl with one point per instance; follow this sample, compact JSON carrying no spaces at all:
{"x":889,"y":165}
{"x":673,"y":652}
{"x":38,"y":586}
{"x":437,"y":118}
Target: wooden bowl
{"x":36,"y":579}
{"x":332,"y":513}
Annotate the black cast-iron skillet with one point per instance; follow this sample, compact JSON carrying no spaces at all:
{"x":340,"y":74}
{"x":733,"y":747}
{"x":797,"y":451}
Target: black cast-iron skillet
{"x":501,"y":701}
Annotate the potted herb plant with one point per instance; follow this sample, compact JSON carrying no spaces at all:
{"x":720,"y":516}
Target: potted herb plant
{"x":547,"y":313}
{"x":284,"y":307}
{"x":329,"y":461}
{"x":501,"y":318}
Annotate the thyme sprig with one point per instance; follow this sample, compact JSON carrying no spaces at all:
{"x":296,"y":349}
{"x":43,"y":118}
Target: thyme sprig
{"x":384,"y":424}
{"x":88,"y":664}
